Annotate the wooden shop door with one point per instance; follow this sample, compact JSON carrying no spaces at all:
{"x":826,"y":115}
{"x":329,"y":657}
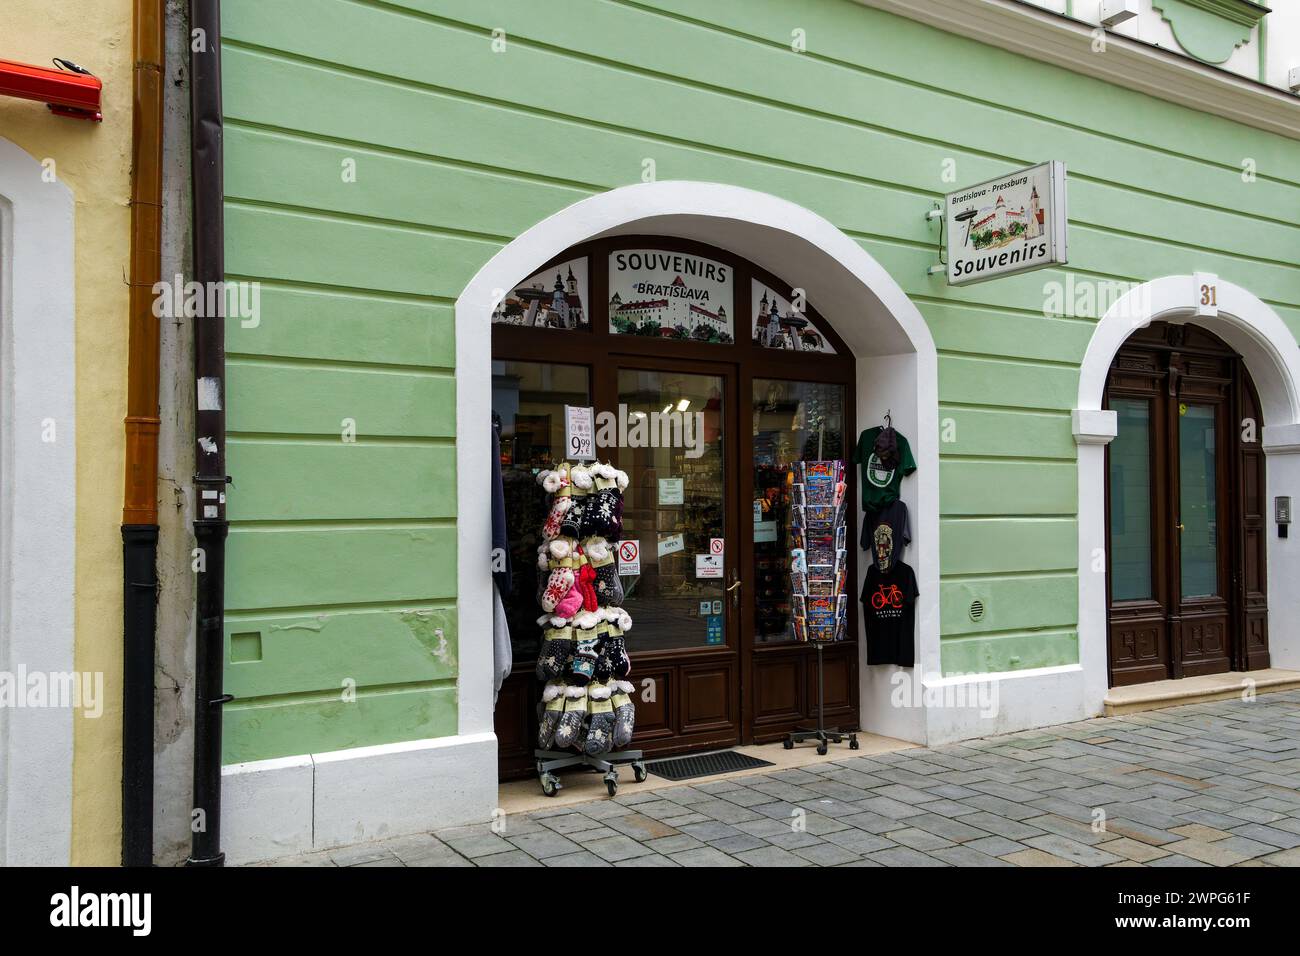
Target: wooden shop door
{"x":1185,"y":493}
{"x":680,"y":507}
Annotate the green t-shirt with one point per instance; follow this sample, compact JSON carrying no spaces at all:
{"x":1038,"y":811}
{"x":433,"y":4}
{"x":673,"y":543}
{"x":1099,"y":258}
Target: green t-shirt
{"x":880,"y":485}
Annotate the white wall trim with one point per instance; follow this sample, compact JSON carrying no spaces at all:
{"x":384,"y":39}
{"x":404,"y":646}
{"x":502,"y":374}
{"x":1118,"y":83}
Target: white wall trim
{"x":1272,"y":357}
{"x":290,"y":805}
{"x":1053,"y":38}
{"x":38,"y":502}
{"x":853,"y":291}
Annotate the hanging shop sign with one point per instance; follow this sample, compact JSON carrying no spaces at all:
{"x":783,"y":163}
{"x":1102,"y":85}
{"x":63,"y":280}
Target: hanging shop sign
{"x":1007,"y":225}
{"x":671,"y":295}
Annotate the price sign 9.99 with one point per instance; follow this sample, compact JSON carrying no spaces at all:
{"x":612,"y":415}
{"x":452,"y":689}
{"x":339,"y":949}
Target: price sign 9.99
{"x":579,"y":432}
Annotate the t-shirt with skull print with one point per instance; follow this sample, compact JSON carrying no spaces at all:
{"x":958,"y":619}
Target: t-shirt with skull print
{"x":885,"y":534}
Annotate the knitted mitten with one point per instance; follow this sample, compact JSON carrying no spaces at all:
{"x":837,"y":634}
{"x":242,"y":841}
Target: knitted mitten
{"x":586,"y":582}
{"x":571,"y":721}
{"x":583,"y":666}
{"x":616,"y":648}
{"x":604,"y":664}
{"x":559,"y":508}
{"x":543,"y":571}
{"x":600,"y":725}
{"x":558,"y":586}
{"x":571,"y":520}
{"x":609,"y":589}
{"x":571,"y":604}
{"x":553,"y":710}
{"x":624,"y":713}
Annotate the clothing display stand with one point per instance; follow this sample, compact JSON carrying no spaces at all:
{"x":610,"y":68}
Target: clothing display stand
{"x":586,"y":716}
{"x":821,"y":733}
{"x":548,"y":761}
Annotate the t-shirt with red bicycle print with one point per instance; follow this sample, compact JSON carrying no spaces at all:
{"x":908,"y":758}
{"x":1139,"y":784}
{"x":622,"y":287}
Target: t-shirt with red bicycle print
{"x":889,"y":614}
{"x":887,"y":601}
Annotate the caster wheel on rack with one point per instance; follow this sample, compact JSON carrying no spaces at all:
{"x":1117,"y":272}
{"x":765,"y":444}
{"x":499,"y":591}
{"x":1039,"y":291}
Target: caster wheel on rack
{"x":551,"y":784}
{"x":611,"y":783}
{"x":853,"y":742}
{"x":639,"y":772}
{"x":788,"y":744}
{"x":821,"y":750}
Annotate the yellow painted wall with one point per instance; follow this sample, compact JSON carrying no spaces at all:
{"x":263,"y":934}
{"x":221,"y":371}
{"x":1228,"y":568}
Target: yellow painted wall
{"x":94,"y":161}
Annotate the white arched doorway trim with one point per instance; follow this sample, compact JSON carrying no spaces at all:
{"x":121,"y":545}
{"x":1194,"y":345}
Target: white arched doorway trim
{"x":1272,"y":357}
{"x":37,"y":504}
{"x":896,"y":356}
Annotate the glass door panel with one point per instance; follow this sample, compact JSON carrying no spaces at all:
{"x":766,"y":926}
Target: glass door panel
{"x":793,"y":421}
{"x":1197,"y":483}
{"x":674,"y":506}
{"x":1130,"y":501}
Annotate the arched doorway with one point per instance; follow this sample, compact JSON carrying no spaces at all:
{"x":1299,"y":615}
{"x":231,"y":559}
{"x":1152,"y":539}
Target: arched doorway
{"x":718,"y":381}
{"x":882,"y":332}
{"x":1271,"y":356}
{"x":1186,"y":509}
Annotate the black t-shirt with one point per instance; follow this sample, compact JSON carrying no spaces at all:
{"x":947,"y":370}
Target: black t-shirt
{"x":889,"y":611}
{"x":885,"y":534}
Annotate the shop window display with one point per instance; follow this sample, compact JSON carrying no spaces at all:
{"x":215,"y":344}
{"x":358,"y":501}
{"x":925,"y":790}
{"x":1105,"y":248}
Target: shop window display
{"x":530,"y":398}
{"x":793,"y":422}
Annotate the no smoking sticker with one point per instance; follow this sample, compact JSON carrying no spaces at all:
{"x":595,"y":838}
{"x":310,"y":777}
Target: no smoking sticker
{"x":716,"y":545}
{"x":629,"y":557}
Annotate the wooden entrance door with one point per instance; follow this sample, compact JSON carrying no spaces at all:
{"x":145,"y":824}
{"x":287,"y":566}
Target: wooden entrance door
{"x":681,"y":506}
{"x":1184,"y":499}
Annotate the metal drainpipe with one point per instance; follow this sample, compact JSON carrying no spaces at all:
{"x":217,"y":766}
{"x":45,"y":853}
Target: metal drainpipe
{"x":140,"y":496}
{"x":210,"y":525}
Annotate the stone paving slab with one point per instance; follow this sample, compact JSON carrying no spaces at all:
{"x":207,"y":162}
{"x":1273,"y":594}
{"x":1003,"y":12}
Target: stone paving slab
{"x":1208,"y":784}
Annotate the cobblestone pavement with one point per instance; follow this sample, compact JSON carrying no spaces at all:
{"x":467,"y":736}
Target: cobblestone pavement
{"x":1214,"y":784}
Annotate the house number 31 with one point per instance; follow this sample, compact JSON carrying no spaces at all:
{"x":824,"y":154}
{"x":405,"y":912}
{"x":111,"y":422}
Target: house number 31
{"x":1207,"y":295}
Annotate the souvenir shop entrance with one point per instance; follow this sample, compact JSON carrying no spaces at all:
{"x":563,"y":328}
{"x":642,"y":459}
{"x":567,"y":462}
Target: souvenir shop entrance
{"x":710,"y":379}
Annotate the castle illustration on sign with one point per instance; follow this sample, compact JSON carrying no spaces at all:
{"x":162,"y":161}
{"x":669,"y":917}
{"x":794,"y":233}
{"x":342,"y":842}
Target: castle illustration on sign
{"x":778,"y":326}
{"x":671,"y":318}
{"x":532,"y":304}
{"x":671,"y":295}
{"x":992,"y":227}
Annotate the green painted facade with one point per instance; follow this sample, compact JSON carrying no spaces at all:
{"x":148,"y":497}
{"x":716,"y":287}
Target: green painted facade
{"x":342,"y":555}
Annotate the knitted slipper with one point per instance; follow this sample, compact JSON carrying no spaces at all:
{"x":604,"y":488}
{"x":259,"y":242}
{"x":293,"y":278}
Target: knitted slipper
{"x":600,"y":725}
{"x":553,"y":701}
{"x":557,"y":645}
{"x":624,"y":713}
{"x":575,"y":714}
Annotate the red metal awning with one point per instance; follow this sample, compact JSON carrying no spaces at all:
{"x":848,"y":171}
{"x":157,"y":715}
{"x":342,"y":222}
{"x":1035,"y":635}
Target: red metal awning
{"x":66,"y":92}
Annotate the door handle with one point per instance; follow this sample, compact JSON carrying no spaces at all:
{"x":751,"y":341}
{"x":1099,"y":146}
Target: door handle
{"x":733,"y":587}
{"x":734,"y":591}
{"x":1180,"y":526}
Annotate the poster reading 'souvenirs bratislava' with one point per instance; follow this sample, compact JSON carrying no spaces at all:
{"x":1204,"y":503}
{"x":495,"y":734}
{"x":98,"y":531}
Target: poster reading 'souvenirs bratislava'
{"x":673,"y":295}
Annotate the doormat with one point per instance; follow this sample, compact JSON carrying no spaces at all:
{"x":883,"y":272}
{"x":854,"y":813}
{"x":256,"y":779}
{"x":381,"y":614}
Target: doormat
{"x":704,"y":765}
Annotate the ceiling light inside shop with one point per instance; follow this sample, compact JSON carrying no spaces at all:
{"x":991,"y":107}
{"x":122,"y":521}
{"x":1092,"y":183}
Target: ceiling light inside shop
{"x":684,"y":404}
